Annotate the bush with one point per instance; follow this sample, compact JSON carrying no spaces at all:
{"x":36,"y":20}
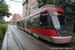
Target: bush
{"x":73,"y":36}
{"x":1,"y":35}
{"x":3,"y":28}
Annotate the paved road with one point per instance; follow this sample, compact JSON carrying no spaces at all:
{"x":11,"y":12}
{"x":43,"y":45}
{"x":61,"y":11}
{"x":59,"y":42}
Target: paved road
{"x":40,"y":44}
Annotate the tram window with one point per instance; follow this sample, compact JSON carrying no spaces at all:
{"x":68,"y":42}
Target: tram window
{"x":33,"y":21}
{"x":18,"y":22}
{"x":62,"y":21}
{"x":44,"y":21}
{"x":28,"y":26}
{"x":23,"y":22}
{"x":36,"y":20}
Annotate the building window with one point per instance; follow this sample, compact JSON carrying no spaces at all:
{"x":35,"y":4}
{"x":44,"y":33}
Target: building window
{"x":31,"y":0}
{"x":34,"y":3}
{"x":34,"y":7}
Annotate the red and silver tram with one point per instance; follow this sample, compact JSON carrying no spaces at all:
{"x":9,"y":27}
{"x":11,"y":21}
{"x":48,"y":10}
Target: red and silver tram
{"x":47,"y":23}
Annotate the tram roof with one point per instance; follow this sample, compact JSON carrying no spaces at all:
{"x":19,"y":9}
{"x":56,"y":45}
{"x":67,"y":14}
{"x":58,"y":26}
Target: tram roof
{"x":43,"y":8}
{"x":20,"y":19}
{"x":47,"y":6}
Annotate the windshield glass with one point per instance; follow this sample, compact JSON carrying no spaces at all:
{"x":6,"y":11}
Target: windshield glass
{"x":58,"y":20}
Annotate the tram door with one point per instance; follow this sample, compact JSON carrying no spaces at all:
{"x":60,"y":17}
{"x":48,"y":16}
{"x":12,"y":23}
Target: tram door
{"x":44,"y":20}
{"x":44,"y":25}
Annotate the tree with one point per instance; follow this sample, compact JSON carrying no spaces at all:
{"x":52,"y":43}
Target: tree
{"x":39,"y":3}
{"x":44,"y":2}
{"x":72,"y":9}
{"x":4,"y":9}
{"x":2,"y":21}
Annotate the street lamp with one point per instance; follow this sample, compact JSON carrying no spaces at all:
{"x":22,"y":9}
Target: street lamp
{"x":16,"y":1}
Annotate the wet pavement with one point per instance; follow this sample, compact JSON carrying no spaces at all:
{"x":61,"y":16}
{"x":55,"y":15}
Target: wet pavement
{"x":11,"y":43}
{"x":25,"y":42}
{"x":18,"y":39}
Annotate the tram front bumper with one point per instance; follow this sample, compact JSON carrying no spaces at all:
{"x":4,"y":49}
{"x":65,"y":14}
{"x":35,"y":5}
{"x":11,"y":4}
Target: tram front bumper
{"x":61,"y":40}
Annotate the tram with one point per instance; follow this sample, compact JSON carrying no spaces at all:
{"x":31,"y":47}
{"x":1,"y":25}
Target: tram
{"x":48,"y":23}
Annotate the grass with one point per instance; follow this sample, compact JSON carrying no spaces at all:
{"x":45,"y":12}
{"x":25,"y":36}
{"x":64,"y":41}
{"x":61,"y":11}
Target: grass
{"x":73,"y":36}
{"x":3,"y":28}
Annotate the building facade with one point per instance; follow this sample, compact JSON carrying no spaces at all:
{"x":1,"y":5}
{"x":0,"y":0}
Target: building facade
{"x":29,"y":6}
{"x":15,"y":18}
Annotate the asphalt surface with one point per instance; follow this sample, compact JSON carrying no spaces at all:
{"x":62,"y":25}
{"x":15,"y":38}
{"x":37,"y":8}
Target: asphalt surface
{"x":29,"y":42}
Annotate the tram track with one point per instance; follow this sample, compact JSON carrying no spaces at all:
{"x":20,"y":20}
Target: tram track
{"x":16,"y":39}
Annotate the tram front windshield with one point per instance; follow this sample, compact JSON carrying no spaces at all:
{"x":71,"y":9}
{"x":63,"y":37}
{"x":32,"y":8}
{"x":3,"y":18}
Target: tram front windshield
{"x":58,"y":20}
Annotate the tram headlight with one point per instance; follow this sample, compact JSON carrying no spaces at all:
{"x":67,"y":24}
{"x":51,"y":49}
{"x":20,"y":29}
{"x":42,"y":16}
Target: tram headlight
{"x":58,"y":32}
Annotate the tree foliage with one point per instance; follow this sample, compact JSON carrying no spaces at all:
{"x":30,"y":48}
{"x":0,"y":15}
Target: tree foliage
{"x":4,"y":9}
{"x":72,"y":9}
{"x":2,"y":21}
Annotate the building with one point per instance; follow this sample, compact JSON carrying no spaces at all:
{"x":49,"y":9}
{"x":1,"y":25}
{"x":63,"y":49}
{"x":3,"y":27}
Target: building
{"x":29,"y":6}
{"x":15,"y":18}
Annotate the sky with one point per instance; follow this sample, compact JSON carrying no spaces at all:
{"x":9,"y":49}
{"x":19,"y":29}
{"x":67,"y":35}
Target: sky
{"x":14,"y":7}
